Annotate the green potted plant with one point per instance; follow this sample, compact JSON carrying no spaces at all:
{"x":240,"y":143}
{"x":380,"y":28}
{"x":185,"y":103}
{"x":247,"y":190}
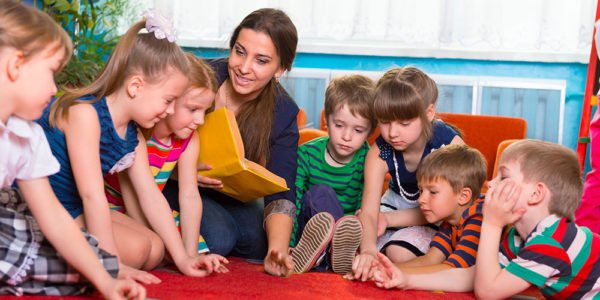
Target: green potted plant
{"x":91,"y":24}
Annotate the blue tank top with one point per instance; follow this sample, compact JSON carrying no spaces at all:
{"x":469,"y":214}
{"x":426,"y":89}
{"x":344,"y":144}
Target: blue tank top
{"x":442,"y":135}
{"x":112,"y":149}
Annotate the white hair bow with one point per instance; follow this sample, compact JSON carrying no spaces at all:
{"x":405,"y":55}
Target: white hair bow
{"x":160,"y":25}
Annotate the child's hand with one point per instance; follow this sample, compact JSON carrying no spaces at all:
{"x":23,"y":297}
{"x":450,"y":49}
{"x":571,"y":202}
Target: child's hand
{"x":278,"y":263}
{"x":361,"y":267}
{"x":217,"y":262}
{"x":199,"y":266}
{"x":499,"y":205}
{"x":123,"y":289}
{"x":127,"y":272}
{"x":387,"y":275}
{"x":208,"y":182}
{"x":382,"y":224}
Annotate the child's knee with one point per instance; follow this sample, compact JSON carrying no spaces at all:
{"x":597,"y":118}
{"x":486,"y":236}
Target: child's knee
{"x":399,"y":254}
{"x":156,"y":253}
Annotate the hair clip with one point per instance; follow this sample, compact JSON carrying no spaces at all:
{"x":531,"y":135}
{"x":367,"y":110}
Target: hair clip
{"x":160,"y":25}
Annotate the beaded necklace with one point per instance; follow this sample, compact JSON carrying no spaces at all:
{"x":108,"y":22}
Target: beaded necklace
{"x":406,"y":195}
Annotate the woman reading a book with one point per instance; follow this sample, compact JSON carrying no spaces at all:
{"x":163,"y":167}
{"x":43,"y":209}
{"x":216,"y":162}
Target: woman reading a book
{"x":262,"y":47}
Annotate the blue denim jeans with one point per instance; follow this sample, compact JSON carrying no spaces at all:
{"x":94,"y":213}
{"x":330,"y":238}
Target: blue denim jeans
{"x":230,"y":227}
{"x":319,"y":198}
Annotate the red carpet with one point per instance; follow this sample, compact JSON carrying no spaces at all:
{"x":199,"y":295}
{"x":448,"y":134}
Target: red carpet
{"x":248,"y":281}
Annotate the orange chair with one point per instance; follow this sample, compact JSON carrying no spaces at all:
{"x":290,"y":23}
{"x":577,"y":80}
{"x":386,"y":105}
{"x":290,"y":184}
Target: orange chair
{"x":485,"y":132}
{"x":301,"y":118}
{"x":307,"y":134}
{"x":371,"y":139}
{"x":501,"y":147}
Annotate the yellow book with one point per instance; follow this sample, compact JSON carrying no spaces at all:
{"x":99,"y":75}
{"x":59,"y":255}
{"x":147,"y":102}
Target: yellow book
{"x":221,"y":147}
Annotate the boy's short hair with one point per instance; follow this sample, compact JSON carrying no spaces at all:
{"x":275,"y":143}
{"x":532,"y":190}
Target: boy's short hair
{"x":460,"y":165}
{"x":556,"y":166}
{"x":356,"y":91}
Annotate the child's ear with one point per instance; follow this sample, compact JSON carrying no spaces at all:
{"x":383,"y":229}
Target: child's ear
{"x":539,"y":194}
{"x":134,"y":84}
{"x":464,"y":197}
{"x":16,"y":59}
{"x":430,"y":111}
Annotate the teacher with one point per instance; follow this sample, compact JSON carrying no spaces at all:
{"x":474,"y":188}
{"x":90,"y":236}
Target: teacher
{"x":262,"y":47}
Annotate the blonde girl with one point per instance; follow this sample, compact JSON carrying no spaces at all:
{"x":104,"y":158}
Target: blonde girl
{"x":41,"y":248}
{"x":93,"y":131}
{"x":174,"y":142}
{"x":404,"y":105}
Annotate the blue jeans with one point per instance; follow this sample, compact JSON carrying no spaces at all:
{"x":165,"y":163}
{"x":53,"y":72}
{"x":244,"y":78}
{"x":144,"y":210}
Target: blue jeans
{"x":319,"y":198}
{"x":230,"y":227}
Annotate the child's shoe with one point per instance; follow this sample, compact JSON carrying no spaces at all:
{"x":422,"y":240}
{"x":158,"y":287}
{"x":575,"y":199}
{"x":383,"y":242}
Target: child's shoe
{"x":346,"y":239}
{"x":314,"y":240}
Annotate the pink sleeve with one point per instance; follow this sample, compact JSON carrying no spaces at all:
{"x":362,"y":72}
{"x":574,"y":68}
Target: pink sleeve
{"x":588,"y":213}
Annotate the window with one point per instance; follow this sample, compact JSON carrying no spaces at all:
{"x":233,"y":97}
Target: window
{"x":540,"y":102}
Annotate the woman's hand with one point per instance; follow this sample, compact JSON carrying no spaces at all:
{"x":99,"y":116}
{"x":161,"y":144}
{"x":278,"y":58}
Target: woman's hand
{"x":278,"y":263}
{"x":208,"y":182}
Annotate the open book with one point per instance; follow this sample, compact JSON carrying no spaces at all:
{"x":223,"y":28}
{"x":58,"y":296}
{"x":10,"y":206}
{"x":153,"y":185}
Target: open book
{"x":221,"y":147}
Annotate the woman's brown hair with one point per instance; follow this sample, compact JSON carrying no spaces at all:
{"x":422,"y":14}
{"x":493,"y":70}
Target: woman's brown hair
{"x":255,"y":118}
{"x":135,"y":53}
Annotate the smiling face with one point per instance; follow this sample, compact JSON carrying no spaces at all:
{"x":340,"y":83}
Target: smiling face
{"x":35,"y":81}
{"x":154,"y":101}
{"x":253,"y":62}
{"x":189,"y":111}
{"x":439,"y":202}
{"x":347,"y":133}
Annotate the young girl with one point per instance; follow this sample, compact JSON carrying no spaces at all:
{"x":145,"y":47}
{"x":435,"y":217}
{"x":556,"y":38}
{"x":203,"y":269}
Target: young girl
{"x":174,"y":139}
{"x":404,"y":105}
{"x":32,"y":49}
{"x":92,"y":131}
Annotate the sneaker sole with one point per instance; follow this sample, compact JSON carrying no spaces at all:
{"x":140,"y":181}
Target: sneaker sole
{"x":316,"y":236}
{"x":346,"y":239}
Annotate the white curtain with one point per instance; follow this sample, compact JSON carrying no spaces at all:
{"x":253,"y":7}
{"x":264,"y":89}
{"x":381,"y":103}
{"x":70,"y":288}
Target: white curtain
{"x":534,"y":30}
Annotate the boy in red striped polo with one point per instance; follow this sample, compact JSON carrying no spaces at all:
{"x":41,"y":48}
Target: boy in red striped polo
{"x":450,"y":180}
{"x":537,"y":190}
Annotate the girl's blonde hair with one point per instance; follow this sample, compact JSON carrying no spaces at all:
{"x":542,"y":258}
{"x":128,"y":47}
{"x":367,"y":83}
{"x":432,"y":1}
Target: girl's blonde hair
{"x":29,"y":30}
{"x":404,"y":94}
{"x":201,"y":75}
{"x":135,"y":53}
{"x":556,"y":166}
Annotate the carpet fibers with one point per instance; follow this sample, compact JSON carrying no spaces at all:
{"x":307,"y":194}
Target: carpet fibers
{"x":248,"y":281}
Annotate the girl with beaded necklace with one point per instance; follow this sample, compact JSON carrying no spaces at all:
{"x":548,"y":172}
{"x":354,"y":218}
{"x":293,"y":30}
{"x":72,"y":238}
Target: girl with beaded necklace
{"x":404,"y":105}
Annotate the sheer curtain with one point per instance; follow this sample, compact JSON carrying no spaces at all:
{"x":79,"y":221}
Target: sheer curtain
{"x":531,"y":30}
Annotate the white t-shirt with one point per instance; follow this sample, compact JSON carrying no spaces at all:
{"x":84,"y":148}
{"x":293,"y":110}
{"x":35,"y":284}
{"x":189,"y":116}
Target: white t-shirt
{"x":24,"y":152}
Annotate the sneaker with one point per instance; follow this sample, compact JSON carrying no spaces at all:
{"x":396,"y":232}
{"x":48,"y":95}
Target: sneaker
{"x":346,"y":239}
{"x":314,"y":240}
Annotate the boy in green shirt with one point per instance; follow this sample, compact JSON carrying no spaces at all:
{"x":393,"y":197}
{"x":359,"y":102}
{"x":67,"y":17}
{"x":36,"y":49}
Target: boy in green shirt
{"x":329,"y":182}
